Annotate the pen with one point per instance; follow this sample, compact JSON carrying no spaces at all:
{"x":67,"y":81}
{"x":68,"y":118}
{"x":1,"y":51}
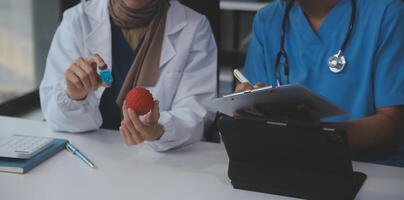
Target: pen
{"x":240,"y":77}
{"x":77,"y":153}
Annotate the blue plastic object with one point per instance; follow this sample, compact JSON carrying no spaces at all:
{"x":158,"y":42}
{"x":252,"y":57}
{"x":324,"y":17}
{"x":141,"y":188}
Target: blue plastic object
{"x":106,"y":77}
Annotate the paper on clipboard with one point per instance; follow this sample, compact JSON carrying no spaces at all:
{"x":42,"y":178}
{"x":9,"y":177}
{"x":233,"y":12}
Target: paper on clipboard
{"x":272,"y":100}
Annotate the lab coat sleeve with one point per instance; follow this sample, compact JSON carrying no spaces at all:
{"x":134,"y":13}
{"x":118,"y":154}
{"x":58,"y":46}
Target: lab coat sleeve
{"x":61,"y":112}
{"x":187,"y":119}
{"x":389,"y":72}
{"x":254,"y":68}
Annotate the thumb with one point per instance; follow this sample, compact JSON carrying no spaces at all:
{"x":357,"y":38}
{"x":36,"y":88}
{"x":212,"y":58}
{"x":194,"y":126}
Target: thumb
{"x":156,"y":111}
{"x":259,"y":85}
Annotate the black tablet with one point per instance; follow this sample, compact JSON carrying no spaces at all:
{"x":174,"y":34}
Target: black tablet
{"x":289,"y":158}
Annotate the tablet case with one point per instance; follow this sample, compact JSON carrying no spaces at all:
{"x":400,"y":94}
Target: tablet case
{"x":290,"y":158}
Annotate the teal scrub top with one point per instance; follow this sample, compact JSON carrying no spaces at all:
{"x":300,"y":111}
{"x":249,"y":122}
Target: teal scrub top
{"x":374,"y":75}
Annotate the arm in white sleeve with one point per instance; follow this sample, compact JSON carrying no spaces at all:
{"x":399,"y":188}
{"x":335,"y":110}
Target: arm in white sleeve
{"x":186,"y":121}
{"x":61,"y":112}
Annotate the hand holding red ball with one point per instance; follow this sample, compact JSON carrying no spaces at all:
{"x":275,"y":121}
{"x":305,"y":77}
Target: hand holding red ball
{"x":140,"y":100}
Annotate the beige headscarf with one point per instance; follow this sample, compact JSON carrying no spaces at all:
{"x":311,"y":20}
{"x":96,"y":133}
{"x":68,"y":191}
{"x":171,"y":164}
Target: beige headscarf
{"x":144,"y":70}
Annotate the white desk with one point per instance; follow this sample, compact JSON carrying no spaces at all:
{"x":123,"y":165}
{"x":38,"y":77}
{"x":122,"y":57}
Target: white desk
{"x":195,"y":172}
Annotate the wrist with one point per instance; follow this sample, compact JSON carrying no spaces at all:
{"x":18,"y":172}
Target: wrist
{"x":76,"y":97}
{"x":160,"y":131}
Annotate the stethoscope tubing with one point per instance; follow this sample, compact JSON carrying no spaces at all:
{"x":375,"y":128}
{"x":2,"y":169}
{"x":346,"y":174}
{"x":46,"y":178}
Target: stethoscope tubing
{"x":283,"y":54}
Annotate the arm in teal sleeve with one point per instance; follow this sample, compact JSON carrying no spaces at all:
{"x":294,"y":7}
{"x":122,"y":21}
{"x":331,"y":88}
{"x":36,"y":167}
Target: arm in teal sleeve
{"x":255,"y":68}
{"x":385,"y":129}
{"x":389,"y":60}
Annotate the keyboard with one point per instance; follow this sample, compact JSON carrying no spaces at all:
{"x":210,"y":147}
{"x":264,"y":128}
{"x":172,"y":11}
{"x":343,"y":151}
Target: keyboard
{"x":23,"y":146}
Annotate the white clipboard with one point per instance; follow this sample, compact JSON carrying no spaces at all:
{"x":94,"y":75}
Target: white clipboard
{"x":278,"y":99}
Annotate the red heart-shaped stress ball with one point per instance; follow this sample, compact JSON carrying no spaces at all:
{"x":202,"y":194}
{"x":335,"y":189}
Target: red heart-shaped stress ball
{"x":140,"y":100}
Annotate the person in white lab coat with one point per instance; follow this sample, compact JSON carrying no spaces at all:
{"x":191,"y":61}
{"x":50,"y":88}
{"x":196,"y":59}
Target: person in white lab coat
{"x":168,"y":49}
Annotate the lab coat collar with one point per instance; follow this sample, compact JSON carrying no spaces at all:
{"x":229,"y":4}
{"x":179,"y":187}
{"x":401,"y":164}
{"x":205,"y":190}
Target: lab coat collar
{"x":99,"y":38}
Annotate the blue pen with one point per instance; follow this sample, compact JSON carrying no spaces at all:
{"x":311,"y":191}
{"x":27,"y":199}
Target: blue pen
{"x":77,"y":153}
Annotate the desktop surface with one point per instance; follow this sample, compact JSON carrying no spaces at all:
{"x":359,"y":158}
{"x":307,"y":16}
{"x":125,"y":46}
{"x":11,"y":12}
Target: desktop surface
{"x":197,"y":171}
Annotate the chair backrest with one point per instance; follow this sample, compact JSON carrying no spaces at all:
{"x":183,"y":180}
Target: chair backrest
{"x":66,"y":4}
{"x":209,"y":8}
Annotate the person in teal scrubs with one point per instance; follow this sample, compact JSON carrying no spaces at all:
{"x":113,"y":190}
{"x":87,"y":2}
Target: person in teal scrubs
{"x":370,"y":88}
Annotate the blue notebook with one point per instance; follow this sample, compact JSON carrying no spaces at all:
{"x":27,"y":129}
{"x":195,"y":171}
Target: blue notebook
{"x":22,"y":166}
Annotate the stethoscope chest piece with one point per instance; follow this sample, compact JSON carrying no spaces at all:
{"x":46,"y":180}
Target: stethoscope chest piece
{"x":337,"y":63}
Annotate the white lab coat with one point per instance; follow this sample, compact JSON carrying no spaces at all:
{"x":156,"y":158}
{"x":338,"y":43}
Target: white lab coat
{"x":187,"y":72}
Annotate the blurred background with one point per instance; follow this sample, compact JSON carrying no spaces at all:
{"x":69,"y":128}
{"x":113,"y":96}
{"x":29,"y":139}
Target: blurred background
{"x":27,"y":28}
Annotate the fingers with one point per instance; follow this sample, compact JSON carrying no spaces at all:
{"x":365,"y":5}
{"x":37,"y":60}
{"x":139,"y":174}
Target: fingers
{"x":132,"y":135}
{"x":90,"y":73}
{"x":74,"y":87}
{"x":126,"y":135}
{"x":87,"y":76}
{"x":156,"y":111}
{"x":96,"y":59}
{"x":259,"y":85}
{"x":134,"y":118}
{"x":154,"y":115}
{"x":124,"y":105}
{"x":74,"y":79}
{"x":127,"y":123}
{"x":84,"y":77}
{"x":141,"y":131}
{"x":147,"y":119}
{"x":247,"y":86}
{"x":125,"y":112}
{"x":243,"y":86}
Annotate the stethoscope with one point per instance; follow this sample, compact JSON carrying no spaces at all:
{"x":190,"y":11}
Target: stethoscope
{"x":336,"y":62}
